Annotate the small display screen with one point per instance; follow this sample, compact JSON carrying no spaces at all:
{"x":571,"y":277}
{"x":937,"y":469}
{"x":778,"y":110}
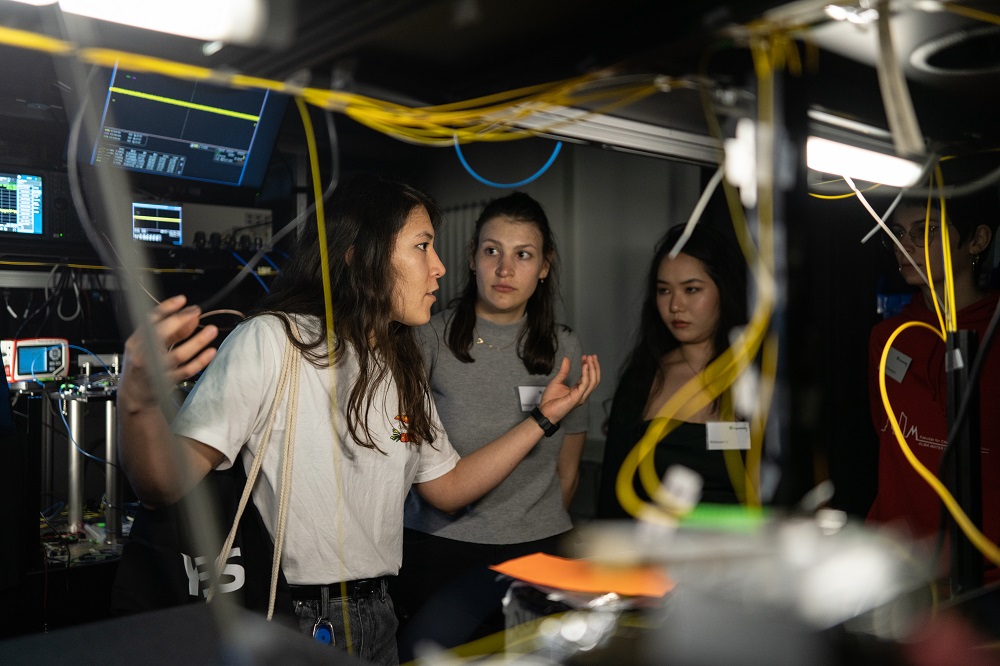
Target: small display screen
{"x":156,"y":223}
{"x":20,"y":203}
{"x":34,"y":360}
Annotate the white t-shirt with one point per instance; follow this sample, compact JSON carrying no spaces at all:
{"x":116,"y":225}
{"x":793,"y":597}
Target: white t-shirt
{"x":345,"y":518}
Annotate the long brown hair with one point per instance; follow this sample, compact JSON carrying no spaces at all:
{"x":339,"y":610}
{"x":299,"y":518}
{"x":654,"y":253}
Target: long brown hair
{"x":537,"y":341}
{"x":363,"y":218}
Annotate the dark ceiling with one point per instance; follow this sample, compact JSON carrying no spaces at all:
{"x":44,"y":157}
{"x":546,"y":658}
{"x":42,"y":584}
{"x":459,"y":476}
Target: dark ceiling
{"x":439,"y":51}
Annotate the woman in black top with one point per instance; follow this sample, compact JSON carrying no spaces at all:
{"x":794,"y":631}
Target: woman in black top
{"x":692,"y":303}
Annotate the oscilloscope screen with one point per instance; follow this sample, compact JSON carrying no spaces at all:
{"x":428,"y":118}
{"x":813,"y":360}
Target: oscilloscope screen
{"x":21,"y":203}
{"x":159,"y":125}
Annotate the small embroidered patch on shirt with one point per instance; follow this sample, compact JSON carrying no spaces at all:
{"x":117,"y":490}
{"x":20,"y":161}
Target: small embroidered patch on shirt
{"x":400,"y":434}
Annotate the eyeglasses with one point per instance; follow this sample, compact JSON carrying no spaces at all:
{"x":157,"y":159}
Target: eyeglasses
{"x":916,"y":234}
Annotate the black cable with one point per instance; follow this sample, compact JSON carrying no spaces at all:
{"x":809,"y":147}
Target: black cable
{"x":960,"y":415}
{"x":974,"y":372}
{"x":43,"y":306}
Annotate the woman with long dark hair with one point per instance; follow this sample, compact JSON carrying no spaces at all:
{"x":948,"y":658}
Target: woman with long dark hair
{"x":691,"y":304}
{"x":366,"y":430}
{"x":488,"y":356}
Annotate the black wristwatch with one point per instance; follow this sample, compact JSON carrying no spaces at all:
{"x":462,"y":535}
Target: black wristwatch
{"x":549,"y":427}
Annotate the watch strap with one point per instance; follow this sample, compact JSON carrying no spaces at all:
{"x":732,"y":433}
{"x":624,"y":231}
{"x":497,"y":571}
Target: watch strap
{"x":547,"y":426}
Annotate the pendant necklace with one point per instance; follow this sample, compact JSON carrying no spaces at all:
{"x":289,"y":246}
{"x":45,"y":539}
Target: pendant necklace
{"x":480,"y":341}
{"x":689,"y":365}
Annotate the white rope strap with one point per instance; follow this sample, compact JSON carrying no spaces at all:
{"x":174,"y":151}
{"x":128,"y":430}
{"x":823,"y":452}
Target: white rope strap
{"x":289,"y":373}
{"x":286,"y":472}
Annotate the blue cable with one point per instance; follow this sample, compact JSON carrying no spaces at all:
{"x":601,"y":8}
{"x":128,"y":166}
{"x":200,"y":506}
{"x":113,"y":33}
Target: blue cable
{"x":69,"y":434}
{"x":52,"y":511}
{"x":87,"y":351}
{"x":253,"y":273}
{"x":552,"y":158}
{"x":268,"y":260}
{"x":33,"y":377}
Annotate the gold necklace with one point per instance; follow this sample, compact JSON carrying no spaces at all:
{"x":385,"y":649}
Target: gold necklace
{"x":480,"y":341}
{"x":697,"y":372}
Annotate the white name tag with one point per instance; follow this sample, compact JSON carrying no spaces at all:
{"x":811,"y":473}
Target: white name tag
{"x":896,"y":364}
{"x":531,"y":397}
{"x":722,"y":435}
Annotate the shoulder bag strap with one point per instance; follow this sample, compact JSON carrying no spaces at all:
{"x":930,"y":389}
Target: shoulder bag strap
{"x":288,"y":376}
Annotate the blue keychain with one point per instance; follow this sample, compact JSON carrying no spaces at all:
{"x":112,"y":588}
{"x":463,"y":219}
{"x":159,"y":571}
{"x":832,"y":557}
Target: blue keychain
{"x":323,"y":632}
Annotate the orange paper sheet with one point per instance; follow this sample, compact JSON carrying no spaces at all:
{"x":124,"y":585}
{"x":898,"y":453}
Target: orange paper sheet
{"x":583,"y":576}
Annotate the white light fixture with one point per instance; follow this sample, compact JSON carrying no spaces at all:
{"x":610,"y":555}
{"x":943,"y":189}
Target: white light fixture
{"x":856,"y":15}
{"x":37,"y":3}
{"x":841,"y":159}
{"x":229,"y":21}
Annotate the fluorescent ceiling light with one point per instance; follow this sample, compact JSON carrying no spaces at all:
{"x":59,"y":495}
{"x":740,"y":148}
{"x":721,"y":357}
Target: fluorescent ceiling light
{"x":230,"y":21}
{"x":37,"y":3}
{"x":842,"y":159}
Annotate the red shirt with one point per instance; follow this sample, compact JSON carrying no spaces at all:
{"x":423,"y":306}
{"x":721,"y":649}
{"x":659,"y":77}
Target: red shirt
{"x":918,"y":395}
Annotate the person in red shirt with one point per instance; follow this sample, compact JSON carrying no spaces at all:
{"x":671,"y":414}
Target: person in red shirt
{"x":916,"y":381}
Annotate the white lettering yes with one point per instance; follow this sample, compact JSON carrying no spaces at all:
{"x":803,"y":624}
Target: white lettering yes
{"x":231,"y":578}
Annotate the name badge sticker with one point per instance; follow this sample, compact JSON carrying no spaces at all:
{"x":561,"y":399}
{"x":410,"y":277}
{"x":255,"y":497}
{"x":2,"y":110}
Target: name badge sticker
{"x":896,"y":364}
{"x":531,"y":397}
{"x":728,"y":435}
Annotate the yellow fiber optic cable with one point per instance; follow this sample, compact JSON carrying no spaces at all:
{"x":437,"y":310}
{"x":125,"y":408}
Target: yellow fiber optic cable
{"x":969,"y":12}
{"x":758,"y":422}
{"x":978,"y":539}
{"x":949,"y":276}
{"x":687,"y":400}
{"x":696,"y":394}
{"x":34,"y":41}
{"x":489,"y":118}
{"x":720,"y":375}
{"x":92,"y":267}
{"x":486,"y":124}
{"x":832,"y":197}
{"x":324,"y":260}
{"x":640,"y":457}
{"x":927,"y":264}
{"x":848,"y":195}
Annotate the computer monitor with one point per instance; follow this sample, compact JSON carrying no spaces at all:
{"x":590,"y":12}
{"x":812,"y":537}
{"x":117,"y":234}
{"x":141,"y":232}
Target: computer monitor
{"x":159,"y":125}
{"x":21,"y":203}
{"x":156,"y":223}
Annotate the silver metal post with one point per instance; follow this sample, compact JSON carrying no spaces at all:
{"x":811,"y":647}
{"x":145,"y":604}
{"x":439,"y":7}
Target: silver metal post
{"x":76,"y":434}
{"x":112,"y":487}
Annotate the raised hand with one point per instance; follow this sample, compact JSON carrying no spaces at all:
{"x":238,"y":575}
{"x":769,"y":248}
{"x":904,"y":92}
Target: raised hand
{"x":559,"y":399}
{"x":185,"y":351}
